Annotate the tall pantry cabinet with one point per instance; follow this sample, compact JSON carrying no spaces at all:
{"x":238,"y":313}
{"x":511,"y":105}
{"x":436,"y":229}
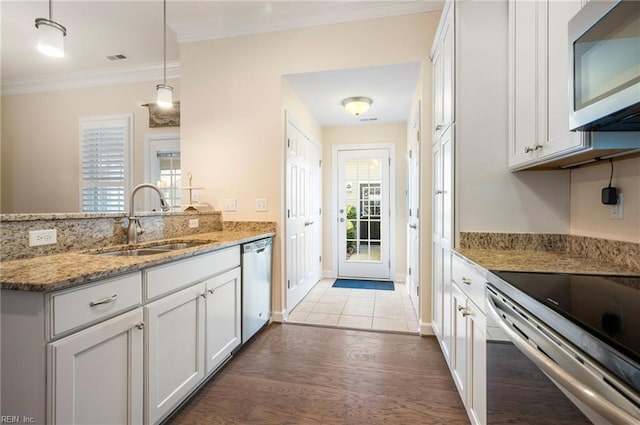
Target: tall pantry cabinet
{"x":470,"y":97}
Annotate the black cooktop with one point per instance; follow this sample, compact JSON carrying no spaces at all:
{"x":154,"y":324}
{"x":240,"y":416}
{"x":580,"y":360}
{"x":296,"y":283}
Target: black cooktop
{"x":608,"y":307}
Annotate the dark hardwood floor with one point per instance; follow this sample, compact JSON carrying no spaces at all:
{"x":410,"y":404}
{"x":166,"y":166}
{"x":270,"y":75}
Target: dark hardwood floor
{"x":311,"y":375}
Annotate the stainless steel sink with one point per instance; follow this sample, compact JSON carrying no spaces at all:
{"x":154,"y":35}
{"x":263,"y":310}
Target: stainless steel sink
{"x":134,"y":252}
{"x":152,"y":250}
{"x":179,"y":245}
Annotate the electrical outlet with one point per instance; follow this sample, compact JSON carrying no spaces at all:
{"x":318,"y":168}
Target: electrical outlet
{"x":615,"y":213}
{"x":193,"y":223}
{"x":261,"y":205}
{"x":230,"y":205}
{"x":195,"y":197}
{"x":43,"y":237}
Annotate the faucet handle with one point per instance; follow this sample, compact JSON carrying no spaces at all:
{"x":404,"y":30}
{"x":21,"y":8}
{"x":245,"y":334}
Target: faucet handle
{"x":140,"y":229}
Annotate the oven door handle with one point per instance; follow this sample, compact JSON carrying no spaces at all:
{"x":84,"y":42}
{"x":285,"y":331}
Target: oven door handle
{"x":579,"y":390}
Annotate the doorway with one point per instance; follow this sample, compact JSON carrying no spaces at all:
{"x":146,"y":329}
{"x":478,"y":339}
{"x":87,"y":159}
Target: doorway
{"x":364,"y":214}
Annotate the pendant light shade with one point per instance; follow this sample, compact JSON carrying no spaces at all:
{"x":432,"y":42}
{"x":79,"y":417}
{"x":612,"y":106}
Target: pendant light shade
{"x":165,"y":92}
{"x":357,"y":105}
{"x":165,"y":96}
{"x":50,"y":36}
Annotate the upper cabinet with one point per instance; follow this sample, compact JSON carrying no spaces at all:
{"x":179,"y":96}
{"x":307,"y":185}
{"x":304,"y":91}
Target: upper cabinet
{"x":443,"y":87}
{"x":538,"y":78}
{"x":539,"y":106}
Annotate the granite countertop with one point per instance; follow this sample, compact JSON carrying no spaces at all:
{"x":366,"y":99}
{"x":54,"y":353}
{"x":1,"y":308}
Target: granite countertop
{"x":53,"y":272}
{"x":542,"y":261}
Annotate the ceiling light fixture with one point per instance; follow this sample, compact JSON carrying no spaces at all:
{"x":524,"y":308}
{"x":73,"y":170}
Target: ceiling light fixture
{"x":165,"y":92}
{"x":50,"y":36}
{"x":357,"y":105}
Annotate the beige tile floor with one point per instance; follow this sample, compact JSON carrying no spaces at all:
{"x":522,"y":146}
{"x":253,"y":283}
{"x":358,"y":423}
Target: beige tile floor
{"x":357,"y":308}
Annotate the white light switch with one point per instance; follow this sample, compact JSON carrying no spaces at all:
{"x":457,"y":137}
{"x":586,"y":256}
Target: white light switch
{"x":261,"y":205}
{"x":230,"y":205}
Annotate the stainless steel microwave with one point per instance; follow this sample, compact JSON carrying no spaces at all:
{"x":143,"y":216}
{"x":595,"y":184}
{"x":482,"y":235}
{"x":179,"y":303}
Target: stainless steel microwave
{"x":604,"y":56}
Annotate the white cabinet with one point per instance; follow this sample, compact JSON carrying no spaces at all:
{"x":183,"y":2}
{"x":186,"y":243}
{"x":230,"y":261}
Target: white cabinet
{"x":96,"y":375}
{"x":443,"y":73}
{"x":175,"y":351}
{"x":468,"y":362}
{"x":538,"y":78}
{"x":223,"y":323}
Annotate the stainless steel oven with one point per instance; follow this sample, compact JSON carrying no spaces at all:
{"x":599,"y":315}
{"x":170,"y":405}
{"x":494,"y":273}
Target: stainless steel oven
{"x":562,"y":349}
{"x":604,"y":55}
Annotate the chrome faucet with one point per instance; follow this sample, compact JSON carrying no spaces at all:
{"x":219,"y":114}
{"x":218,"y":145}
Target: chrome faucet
{"x":135,"y":228}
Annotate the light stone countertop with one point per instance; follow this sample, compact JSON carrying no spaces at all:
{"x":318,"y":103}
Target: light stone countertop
{"x":54,"y":272}
{"x":542,"y":261}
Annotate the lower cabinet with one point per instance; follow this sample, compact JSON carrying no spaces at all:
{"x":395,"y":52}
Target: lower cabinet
{"x":175,"y":351}
{"x":223,"y":317}
{"x":98,"y":373}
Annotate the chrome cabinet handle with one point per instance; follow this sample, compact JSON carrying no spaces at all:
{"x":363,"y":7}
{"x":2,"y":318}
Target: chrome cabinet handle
{"x":466,"y":280}
{"x":535,"y":147}
{"x":466,"y":313}
{"x":460,"y":308}
{"x":439,"y":192}
{"x":104,"y":301}
{"x":413,"y":226}
{"x":438,"y":127}
{"x":308,"y":223}
{"x":204,"y":295}
{"x":211,"y":291}
{"x":140,"y":325}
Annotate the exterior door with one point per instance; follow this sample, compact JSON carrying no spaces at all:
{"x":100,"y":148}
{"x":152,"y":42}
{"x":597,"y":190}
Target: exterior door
{"x":413,"y":217}
{"x":304,"y":196}
{"x":364,"y":213}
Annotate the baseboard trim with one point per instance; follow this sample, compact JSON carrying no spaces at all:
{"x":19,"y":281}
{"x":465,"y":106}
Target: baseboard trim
{"x":426,"y":329}
{"x":279,"y":316}
{"x":400,"y":278}
{"x":328,"y":274}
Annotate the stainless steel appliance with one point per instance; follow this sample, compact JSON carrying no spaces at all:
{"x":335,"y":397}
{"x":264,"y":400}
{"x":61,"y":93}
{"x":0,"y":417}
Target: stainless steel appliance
{"x":604,"y":55}
{"x":256,"y":286}
{"x":568,"y":350}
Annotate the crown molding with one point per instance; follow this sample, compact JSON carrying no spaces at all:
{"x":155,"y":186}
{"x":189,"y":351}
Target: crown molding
{"x":77,"y":80}
{"x":231,"y":26}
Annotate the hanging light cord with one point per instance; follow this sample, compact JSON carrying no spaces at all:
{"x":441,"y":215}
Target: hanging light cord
{"x":164,"y":40}
{"x":611,"y":177}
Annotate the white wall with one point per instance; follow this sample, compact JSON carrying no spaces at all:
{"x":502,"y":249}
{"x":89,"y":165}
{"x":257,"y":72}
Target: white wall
{"x":589,"y":217}
{"x":40,"y":141}
{"x":233,"y":125}
{"x":395,"y":134}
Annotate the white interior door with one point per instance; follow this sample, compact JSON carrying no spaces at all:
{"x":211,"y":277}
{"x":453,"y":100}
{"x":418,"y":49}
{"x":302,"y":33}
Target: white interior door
{"x":413,"y":216}
{"x":364,"y":213}
{"x":303,"y":223}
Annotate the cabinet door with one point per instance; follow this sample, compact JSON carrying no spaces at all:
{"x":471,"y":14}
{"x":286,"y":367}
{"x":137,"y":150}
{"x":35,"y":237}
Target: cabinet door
{"x":447,"y":149}
{"x":175,"y":350}
{"x":95,"y":376}
{"x":438,"y":291}
{"x":223,"y":327}
{"x":459,"y":328}
{"x":524,"y":30}
{"x":447,"y":307}
{"x":448,"y":78}
{"x":477,"y":385}
{"x":438,"y":92}
{"x":558,"y":138}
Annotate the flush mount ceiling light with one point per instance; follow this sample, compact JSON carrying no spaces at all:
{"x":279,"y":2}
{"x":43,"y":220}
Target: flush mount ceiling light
{"x":50,"y":36}
{"x":165,"y":92}
{"x":357,"y":105}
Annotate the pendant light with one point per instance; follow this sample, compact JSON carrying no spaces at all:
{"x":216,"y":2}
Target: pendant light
{"x":50,"y":36}
{"x":165,"y":92}
{"x":357,"y":105}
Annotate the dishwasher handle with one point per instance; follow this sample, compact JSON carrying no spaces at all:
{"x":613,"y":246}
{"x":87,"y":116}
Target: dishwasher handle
{"x":257,"y":246}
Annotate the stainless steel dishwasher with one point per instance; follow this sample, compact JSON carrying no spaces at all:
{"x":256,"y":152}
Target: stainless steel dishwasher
{"x":256,"y":286}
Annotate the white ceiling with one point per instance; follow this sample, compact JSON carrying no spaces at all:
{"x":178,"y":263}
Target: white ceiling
{"x":96,"y":29}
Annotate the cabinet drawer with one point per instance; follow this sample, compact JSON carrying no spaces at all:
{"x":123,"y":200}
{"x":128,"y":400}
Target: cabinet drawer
{"x":73,"y":308}
{"x":171,"y":277}
{"x":470,"y":280}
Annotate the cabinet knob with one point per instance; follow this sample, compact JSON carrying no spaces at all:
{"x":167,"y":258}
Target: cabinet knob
{"x":140,"y":325}
{"x":535,"y":147}
{"x":439,"y":192}
{"x":204,"y":295}
{"x":438,"y":127}
{"x":466,"y":280}
{"x":460,"y":308}
{"x":413,"y":226}
{"x":466,"y":313}
{"x":211,"y":291}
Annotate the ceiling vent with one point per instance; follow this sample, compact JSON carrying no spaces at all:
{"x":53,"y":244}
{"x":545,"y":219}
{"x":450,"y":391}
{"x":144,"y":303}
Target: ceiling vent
{"x":117,"y":57}
{"x":369,"y":119}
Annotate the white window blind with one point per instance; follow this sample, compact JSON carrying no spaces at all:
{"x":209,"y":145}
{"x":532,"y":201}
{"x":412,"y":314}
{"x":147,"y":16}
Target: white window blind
{"x":105,"y":163}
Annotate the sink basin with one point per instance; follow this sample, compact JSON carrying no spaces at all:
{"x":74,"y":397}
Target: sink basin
{"x":135,"y":252}
{"x":152,"y":250}
{"x":176,"y":246}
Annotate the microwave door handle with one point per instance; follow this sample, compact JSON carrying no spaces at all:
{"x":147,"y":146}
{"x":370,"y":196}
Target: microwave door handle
{"x":582,"y":392}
